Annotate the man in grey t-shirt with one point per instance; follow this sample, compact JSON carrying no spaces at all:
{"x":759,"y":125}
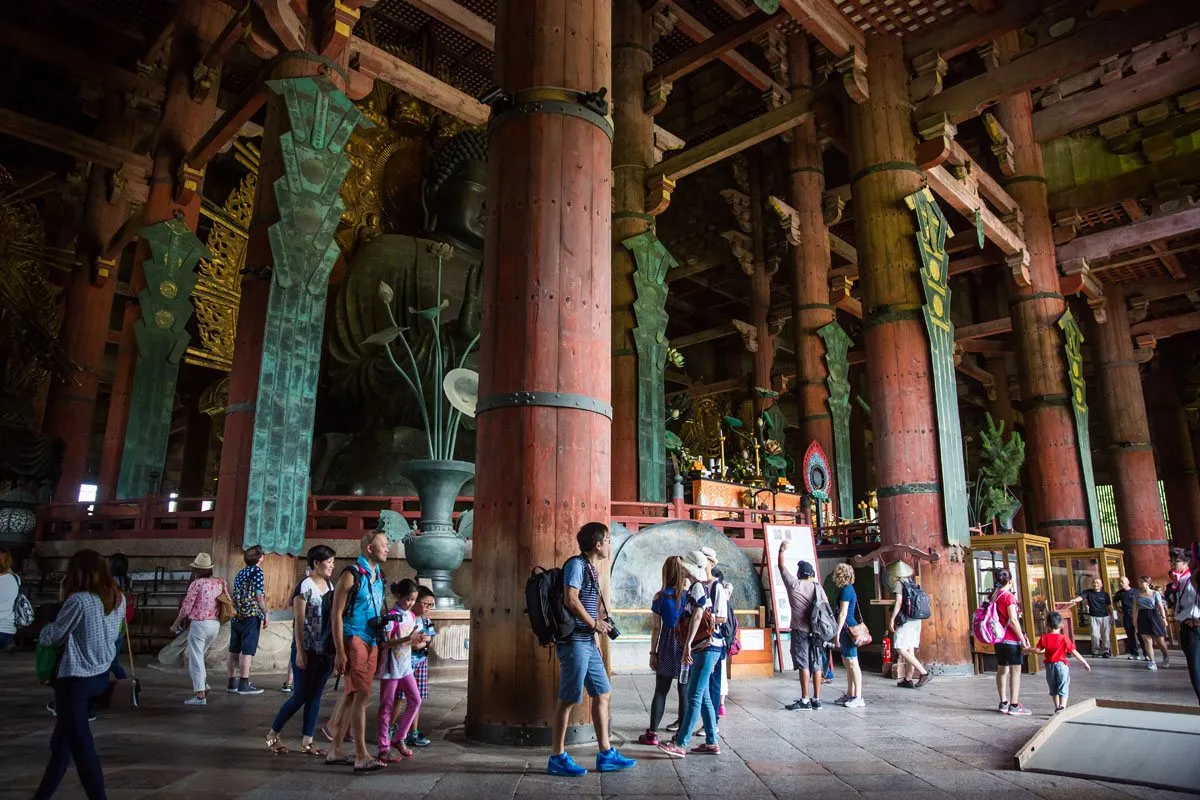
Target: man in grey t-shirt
{"x":803,"y":592}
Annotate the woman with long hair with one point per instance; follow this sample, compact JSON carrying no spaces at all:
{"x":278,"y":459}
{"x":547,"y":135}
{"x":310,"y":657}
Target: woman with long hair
{"x":665,"y":653}
{"x":848,"y":613}
{"x":200,"y":608}
{"x":86,"y":629}
{"x":311,"y":664}
{"x":1009,"y":648}
{"x":10,"y":586}
{"x":1151,"y":621}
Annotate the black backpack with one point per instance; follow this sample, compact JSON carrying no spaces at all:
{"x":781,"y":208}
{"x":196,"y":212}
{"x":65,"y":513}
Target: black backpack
{"x":727,"y":630}
{"x":916,"y":603}
{"x":549,"y":618}
{"x":347,"y":612}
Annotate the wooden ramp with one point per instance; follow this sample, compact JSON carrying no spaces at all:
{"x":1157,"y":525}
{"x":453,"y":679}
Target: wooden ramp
{"x":1151,"y":744}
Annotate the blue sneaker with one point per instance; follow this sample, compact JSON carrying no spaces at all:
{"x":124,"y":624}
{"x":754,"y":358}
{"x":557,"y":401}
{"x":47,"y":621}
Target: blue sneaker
{"x":611,"y":760}
{"x":564,"y":765}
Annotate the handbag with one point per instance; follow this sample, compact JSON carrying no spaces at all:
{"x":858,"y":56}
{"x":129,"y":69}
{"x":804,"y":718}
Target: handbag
{"x":46,"y":663}
{"x":225,"y":610}
{"x":860,"y":634}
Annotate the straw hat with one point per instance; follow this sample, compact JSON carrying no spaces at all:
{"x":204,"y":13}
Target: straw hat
{"x":202,"y":561}
{"x":709,"y":553}
{"x":898,"y":570}
{"x":696,"y":565}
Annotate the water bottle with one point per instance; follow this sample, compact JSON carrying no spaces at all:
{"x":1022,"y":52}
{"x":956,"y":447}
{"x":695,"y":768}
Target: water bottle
{"x":685,"y":672}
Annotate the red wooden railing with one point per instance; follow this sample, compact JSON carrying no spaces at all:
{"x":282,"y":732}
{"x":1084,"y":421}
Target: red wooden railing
{"x":349,"y":516}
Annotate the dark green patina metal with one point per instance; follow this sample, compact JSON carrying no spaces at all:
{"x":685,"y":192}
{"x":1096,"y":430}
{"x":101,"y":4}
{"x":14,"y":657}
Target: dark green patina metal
{"x":932,"y":231}
{"x":650,"y":337}
{"x":315,"y":164}
{"x":837,"y":345}
{"x":1073,"y":342}
{"x":162,"y":339}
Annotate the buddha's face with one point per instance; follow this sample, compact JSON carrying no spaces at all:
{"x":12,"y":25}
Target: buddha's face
{"x":458,"y":206}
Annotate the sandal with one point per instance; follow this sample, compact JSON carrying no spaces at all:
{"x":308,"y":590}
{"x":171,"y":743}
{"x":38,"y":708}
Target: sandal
{"x":276,"y":746}
{"x":339,"y":762}
{"x":390,"y":757}
{"x":311,"y":749}
{"x":370,"y":765}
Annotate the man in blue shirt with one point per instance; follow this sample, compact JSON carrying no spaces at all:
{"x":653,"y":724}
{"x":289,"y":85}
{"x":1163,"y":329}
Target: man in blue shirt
{"x":580,"y":664}
{"x":250,"y":617}
{"x":357,"y":600}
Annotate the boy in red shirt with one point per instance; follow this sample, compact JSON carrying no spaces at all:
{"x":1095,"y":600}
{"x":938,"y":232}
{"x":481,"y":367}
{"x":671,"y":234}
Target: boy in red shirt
{"x":1056,"y":648}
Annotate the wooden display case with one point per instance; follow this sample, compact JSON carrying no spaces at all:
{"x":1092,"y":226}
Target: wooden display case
{"x":1072,"y":571}
{"x":1027,"y":556}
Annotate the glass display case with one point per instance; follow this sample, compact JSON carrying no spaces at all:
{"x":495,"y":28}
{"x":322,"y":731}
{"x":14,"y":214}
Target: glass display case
{"x":1026,"y":556}
{"x":1072,"y":571}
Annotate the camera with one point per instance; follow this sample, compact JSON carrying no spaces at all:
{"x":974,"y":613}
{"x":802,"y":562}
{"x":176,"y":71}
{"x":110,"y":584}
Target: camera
{"x":613,"y":633}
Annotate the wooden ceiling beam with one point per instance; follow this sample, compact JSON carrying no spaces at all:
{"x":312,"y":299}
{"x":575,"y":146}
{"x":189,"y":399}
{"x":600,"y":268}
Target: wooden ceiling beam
{"x":1183,"y":168}
{"x":698,"y":32}
{"x":1167,"y":326}
{"x":75,"y":145}
{"x":707,"y":50}
{"x":82,"y":65}
{"x":1113,"y":34}
{"x":373,"y":63}
{"x":1127,"y":237}
{"x":1159,"y":288}
{"x":732,"y":142}
{"x":995,"y":327}
{"x":460,"y":19}
{"x":826,"y":23}
{"x":959,"y":34}
{"x":987,"y":347}
{"x":1169,"y":260}
{"x":1108,"y":100}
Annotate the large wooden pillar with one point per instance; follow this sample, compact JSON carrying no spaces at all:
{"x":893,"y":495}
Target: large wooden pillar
{"x":763,"y":356}
{"x":1059,"y":498}
{"x":544,"y":465}
{"x":632,"y":155}
{"x":185,"y":118}
{"x":71,"y":404}
{"x":811,"y":310}
{"x":1176,"y":457}
{"x":899,"y":363}
{"x":1135,"y":480}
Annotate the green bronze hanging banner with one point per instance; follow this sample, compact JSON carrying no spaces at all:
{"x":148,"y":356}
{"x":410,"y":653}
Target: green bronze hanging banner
{"x":650,"y":339}
{"x":304,"y":251}
{"x":932,"y":231}
{"x":1073,"y":342}
{"x":162,"y":339}
{"x":837,"y":345}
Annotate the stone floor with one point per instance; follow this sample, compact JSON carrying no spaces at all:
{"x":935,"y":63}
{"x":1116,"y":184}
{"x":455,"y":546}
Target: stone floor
{"x":943,"y":741}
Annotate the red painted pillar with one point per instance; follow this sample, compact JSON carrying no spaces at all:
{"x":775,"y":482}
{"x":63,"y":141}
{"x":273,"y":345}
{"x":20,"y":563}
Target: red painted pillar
{"x":810,"y":274}
{"x":1176,"y":457}
{"x":544,"y":467}
{"x":185,"y":119}
{"x":899,"y":363}
{"x":1135,"y":480}
{"x":71,"y":405}
{"x":1051,"y":450}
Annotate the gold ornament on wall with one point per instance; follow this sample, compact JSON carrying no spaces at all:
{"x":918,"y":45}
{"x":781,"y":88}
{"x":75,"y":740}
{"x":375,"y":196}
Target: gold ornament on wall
{"x":701,"y":434}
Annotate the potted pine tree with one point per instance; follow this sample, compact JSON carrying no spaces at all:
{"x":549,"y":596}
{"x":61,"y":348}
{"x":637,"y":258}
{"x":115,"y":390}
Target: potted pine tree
{"x":999,"y":470}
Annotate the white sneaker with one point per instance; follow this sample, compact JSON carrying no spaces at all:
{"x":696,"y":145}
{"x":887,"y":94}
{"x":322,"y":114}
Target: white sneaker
{"x":856,"y":702}
{"x":1166,"y":661}
{"x":1132,"y":658}
{"x":195,"y":701}
{"x":1152,"y":665}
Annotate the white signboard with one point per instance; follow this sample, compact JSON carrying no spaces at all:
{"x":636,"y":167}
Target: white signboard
{"x":752,"y":639}
{"x":801,"y":547}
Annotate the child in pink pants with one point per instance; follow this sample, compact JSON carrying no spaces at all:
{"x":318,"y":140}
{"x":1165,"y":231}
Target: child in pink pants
{"x":396,"y":675}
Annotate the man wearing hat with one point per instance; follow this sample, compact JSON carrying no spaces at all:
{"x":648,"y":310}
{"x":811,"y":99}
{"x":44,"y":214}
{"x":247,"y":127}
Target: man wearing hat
{"x":803,"y":593}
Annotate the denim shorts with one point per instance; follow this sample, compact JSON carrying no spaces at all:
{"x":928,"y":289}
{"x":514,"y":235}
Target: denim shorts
{"x":846,"y":641}
{"x":580,"y":666}
{"x":243,"y":635}
{"x":1058,"y":678}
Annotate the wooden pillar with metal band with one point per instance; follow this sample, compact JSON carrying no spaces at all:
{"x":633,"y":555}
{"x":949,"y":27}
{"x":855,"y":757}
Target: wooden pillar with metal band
{"x":1059,"y":497}
{"x":898,"y":357}
{"x":1131,"y":454}
{"x":544,"y":462}
{"x":811,"y":310}
{"x":1173,"y":441}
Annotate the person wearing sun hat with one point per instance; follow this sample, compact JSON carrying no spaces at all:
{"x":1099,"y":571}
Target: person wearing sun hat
{"x":200,"y":608}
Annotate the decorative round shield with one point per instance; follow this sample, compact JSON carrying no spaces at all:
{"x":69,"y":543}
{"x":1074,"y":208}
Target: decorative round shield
{"x":816,"y":471}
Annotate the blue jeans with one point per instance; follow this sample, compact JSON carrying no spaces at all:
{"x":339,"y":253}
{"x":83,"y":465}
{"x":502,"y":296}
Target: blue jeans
{"x":6,"y":640}
{"x":699,"y":697}
{"x":72,"y":738}
{"x":714,"y":681}
{"x":307,"y":686}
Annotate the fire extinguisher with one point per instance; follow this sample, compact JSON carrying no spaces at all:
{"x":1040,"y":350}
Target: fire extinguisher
{"x":886,"y":645}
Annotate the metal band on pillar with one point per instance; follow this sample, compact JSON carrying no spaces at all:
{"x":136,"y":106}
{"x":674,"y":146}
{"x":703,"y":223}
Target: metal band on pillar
{"x":588,"y":106}
{"x":576,"y":402}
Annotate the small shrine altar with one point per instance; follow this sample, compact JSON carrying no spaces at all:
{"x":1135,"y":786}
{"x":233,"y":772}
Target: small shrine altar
{"x":719,"y":494}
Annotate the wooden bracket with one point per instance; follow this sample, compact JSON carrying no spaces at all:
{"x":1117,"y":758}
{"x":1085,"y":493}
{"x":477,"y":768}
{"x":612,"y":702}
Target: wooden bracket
{"x":1015,"y":222}
{"x":657,"y":91}
{"x":739,"y":204}
{"x":840,"y":296}
{"x":775,"y":51}
{"x":1066,"y":226}
{"x":833,"y":205}
{"x":663,"y":20}
{"x":658,"y":194}
{"x":338,"y":26}
{"x":743,"y":250}
{"x":665,"y":141}
{"x":929,"y":69}
{"x":789,"y":217}
{"x":749,"y":335}
{"x":853,"y":69}
{"x":207,"y":72}
{"x":1139,"y":306}
{"x":938,"y":134}
{"x":1002,"y":145}
{"x":102,"y":270}
{"x":219,"y":135}
{"x":1018,"y":267}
